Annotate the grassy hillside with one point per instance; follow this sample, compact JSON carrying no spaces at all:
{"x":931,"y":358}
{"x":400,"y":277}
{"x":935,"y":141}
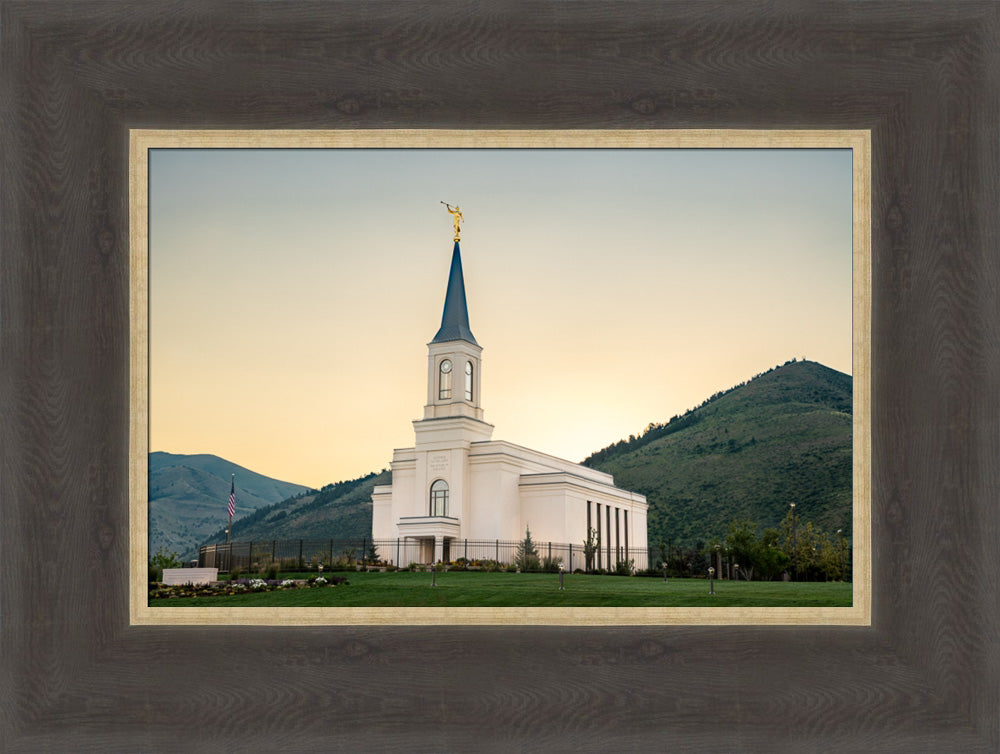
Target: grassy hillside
{"x":782,"y":437}
{"x":340,"y":510}
{"x":189,"y":498}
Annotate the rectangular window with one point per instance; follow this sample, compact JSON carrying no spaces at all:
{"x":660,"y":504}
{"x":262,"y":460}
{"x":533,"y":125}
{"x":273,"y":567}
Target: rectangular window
{"x":625,"y":517}
{"x":607,"y":515}
{"x":618,"y":539}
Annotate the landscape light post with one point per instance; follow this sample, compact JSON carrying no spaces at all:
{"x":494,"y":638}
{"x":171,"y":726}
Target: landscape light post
{"x":711,"y":580}
{"x":795,"y":552}
{"x":840,"y":555}
{"x":736,"y":571}
{"x":664,"y":571}
{"x":561,"y":569}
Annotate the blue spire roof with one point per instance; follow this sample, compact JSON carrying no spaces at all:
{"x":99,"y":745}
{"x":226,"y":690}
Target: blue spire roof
{"x":455,"y":319}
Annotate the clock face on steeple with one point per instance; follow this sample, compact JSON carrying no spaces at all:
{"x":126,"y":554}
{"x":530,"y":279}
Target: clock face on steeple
{"x":445,"y":366}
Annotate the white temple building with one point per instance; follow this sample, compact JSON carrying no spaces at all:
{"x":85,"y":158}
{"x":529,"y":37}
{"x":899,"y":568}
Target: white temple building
{"x":457,"y":485}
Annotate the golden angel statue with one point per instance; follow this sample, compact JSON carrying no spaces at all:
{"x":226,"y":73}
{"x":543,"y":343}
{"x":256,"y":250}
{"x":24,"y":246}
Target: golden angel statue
{"x":456,"y":218}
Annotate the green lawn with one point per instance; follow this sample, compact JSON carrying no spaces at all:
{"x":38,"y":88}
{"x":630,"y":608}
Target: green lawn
{"x":477,"y":589}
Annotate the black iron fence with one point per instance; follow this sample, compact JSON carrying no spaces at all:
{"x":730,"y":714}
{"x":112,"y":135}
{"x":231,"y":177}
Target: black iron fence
{"x":475,"y":553}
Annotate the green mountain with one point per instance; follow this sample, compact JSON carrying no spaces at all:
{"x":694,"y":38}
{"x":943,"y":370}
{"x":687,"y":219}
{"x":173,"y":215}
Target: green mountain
{"x":189,"y":498}
{"x":785,"y":436}
{"x":338,"y":511}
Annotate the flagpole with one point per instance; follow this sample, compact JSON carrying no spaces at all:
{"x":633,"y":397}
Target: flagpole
{"x":232,"y":506}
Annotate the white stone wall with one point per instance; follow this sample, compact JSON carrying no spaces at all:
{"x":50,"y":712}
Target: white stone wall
{"x":498,"y":489}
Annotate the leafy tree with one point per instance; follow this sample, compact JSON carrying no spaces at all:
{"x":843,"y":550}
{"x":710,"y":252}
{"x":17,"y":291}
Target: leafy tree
{"x":526,"y":557}
{"x":162,"y":559}
{"x":741,"y":539}
{"x":688,"y":561}
{"x":771,"y":559}
{"x":829,"y":560}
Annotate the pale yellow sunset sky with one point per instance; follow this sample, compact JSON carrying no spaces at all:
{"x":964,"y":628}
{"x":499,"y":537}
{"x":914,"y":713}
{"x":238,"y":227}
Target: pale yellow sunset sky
{"x":293,"y":292}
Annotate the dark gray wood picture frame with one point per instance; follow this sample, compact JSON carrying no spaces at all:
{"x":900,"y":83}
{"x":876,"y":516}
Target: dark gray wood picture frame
{"x":77,"y":75}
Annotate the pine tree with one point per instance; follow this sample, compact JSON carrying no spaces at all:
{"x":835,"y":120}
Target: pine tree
{"x":526,"y":557}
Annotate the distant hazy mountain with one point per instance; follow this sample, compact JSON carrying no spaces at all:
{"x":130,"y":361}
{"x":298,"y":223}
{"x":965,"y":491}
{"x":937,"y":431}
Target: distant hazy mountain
{"x":783,"y":437}
{"x":189,"y":498}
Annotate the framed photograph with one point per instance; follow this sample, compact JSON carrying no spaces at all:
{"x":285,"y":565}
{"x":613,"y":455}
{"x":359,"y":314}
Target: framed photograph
{"x":247,"y":209}
{"x":80,"y":78}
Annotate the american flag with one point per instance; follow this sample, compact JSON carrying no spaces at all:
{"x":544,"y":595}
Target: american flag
{"x":232,"y":499}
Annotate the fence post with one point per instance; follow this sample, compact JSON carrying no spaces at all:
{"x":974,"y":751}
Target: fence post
{"x":398,"y":564}
{"x":571,"y":557}
{"x":498,"y":552}
{"x":331,"y":552}
{"x":250,"y":556}
{"x":364,"y":548}
{"x":300,"y":554}
{"x":274,"y":544}
{"x":466,"y":548}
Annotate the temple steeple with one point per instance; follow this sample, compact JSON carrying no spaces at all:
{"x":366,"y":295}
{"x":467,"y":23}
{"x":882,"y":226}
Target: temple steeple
{"x":455,"y":318}
{"x":453,"y":356}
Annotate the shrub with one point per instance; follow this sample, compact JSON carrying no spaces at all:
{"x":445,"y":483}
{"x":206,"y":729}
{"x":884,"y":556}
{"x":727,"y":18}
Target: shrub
{"x":624,"y":567}
{"x":551,"y":565}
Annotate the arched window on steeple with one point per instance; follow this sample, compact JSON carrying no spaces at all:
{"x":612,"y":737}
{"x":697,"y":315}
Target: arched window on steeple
{"x":444,"y":380}
{"x":468,"y":380}
{"x":439,"y":498}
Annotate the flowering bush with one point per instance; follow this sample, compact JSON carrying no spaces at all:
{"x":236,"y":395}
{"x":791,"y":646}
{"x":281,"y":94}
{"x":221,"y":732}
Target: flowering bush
{"x":223,"y":588}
